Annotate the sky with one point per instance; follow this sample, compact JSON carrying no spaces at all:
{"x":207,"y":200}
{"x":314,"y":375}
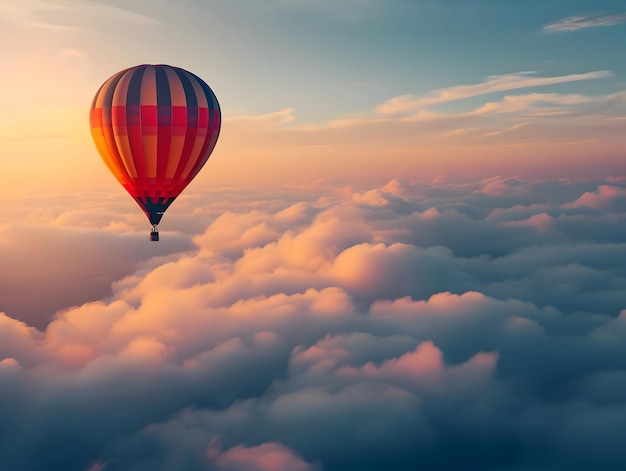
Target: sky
{"x":406,"y":252}
{"x":330,"y":89}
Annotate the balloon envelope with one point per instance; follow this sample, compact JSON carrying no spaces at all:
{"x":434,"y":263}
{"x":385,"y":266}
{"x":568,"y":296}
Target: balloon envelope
{"x":155,"y":127}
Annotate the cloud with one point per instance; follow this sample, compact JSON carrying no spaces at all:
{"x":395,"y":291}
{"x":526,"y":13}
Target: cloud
{"x":605,"y":195}
{"x":502,"y":131}
{"x":67,"y":16}
{"x":266,"y":120}
{"x":492,"y":84}
{"x":527,"y":128}
{"x":423,"y":366}
{"x":559,"y":126}
{"x":85,"y":259}
{"x":264,"y":457}
{"x":346,"y":10}
{"x":48,"y":15}
{"x":575,"y":23}
{"x":97,"y":466}
{"x":119,"y":13}
{"x":78,"y":53}
{"x":369,"y":327}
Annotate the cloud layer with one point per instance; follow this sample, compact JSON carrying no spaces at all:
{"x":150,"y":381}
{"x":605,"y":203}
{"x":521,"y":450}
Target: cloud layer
{"x":575,"y":23}
{"x":398,"y":327}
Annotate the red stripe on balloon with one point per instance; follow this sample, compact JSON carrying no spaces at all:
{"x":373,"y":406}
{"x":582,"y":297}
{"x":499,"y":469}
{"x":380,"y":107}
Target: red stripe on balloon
{"x":149,"y":119}
{"x":164,"y":140}
{"x":119,"y":115}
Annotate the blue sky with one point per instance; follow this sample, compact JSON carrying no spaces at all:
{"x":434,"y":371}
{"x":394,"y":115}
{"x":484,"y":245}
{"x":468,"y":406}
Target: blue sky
{"x":330,"y":58}
{"x":551,"y":71}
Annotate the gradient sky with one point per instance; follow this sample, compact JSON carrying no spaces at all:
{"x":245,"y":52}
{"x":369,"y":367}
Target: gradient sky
{"x":328,"y":89}
{"x":406,"y":252}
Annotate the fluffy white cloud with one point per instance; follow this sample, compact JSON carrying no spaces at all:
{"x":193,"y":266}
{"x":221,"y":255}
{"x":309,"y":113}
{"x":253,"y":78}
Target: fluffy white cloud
{"x":368,"y":327}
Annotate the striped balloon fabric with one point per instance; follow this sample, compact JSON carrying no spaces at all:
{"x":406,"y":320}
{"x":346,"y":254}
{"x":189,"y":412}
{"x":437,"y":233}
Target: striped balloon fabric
{"x":155,"y":127}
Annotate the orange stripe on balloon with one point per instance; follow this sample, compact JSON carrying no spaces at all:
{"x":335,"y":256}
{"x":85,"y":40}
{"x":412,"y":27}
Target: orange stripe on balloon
{"x":101,"y":119}
{"x":113,"y":156}
{"x":120,"y":130}
{"x":101,"y":145}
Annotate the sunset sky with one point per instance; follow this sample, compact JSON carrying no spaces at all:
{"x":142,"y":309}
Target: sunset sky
{"x":328,"y":89}
{"x":407,"y":250}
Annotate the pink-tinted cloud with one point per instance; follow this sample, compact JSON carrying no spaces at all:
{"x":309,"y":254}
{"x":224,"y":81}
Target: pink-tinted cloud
{"x":599,"y":199}
{"x":424,"y":365}
{"x":323,"y":332}
{"x":264,"y":457}
{"x":50,"y":267}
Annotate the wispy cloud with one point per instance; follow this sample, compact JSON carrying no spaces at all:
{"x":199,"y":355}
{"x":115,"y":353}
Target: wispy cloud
{"x":98,"y":466}
{"x":50,"y":15}
{"x":575,"y":23}
{"x":274,"y":118}
{"x":345,"y":10}
{"x":502,"y":131}
{"x":493,"y":83}
{"x":124,"y":14}
{"x":79,"y":53}
{"x":534,"y":119}
{"x":56,"y":15}
{"x":525,"y":106}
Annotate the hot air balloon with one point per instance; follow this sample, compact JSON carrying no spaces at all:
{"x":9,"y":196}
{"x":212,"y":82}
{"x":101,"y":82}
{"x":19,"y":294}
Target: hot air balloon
{"x":155,"y":127}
